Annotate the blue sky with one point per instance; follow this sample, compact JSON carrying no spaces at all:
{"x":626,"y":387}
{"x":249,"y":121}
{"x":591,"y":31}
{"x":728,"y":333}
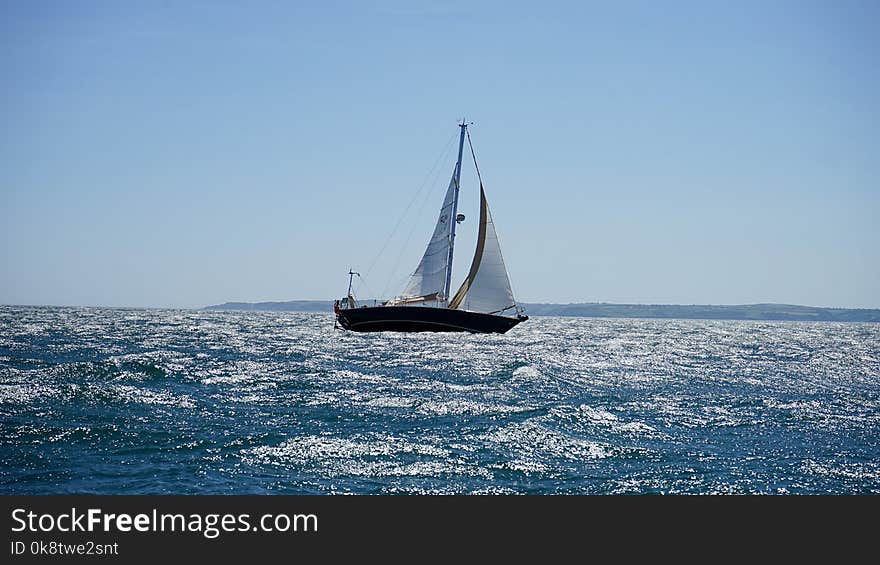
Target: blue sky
{"x":187,"y":153}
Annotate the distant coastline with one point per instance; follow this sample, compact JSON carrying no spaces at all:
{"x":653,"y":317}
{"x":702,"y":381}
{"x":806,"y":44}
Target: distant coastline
{"x":766,"y":312}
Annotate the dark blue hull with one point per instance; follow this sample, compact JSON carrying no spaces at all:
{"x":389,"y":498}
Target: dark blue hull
{"x":423,"y":319}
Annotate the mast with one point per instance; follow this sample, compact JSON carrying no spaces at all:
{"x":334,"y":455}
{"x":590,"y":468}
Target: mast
{"x":463,"y":125}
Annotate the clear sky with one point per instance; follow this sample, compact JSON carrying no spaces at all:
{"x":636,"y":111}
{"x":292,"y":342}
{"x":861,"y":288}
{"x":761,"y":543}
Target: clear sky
{"x":179,"y":154}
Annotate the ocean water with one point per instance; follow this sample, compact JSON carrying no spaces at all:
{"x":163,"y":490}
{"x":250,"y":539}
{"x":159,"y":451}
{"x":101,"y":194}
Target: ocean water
{"x":132,"y":401}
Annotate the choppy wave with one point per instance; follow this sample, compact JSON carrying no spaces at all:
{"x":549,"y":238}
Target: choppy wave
{"x":164,"y":401}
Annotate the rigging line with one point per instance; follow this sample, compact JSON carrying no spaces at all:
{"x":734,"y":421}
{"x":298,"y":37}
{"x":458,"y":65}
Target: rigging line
{"x":474,"y":155}
{"x":397,"y":282}
{"x":362,"y":282}
{"x":403,"y":249}
{"x":408,"y":206}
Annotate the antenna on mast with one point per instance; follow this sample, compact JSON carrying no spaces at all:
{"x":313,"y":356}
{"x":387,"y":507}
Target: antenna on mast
{"x":351,"y":275}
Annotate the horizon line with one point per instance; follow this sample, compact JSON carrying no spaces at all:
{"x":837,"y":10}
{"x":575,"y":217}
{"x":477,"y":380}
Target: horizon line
{"x":330,"y":301}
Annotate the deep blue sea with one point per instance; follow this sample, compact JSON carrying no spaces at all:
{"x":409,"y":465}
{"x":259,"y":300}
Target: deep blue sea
{"x":138,"y":401}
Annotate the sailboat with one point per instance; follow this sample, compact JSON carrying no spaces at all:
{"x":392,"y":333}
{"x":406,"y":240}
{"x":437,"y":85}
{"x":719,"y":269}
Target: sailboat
{"x":484,"y":303}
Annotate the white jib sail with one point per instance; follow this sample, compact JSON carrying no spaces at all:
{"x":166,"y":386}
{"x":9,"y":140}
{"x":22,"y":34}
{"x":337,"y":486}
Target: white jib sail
{"x":429,"y":279}
{"x":487,"y":286}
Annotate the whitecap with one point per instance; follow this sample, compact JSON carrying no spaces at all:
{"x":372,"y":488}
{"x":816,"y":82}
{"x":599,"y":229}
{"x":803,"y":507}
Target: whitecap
{"x":146,"y":396}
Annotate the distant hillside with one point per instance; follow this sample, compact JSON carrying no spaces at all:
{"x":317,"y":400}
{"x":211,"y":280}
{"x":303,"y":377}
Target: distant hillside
{"x":289,"y":306}
{"x":601,"y":310}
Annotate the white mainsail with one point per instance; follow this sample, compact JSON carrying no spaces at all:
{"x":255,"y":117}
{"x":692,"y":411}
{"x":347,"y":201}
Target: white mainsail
{"x":429,"y":279}
{"x":487,"y":286}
